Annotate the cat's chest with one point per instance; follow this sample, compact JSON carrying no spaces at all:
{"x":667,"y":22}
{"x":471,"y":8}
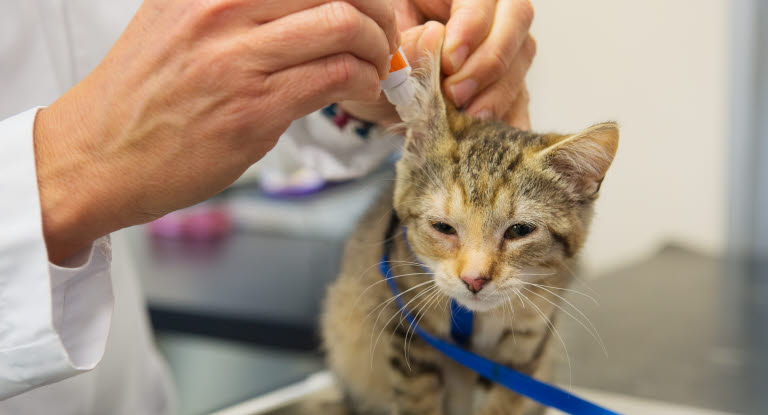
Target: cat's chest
{"x":487,"y":332}
{"x":464,"y":395}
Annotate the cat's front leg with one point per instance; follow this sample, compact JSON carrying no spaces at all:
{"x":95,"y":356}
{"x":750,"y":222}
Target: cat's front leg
{"x":501,"y":401}
{"x":418,"y":381}
{"x":527,"y":352}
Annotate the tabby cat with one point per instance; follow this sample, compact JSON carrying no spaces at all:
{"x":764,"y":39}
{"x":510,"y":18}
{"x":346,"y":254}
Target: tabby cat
{"x":486,"y":214}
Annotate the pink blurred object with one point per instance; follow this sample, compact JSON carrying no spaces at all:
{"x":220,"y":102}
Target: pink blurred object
{"x":200,"y":222}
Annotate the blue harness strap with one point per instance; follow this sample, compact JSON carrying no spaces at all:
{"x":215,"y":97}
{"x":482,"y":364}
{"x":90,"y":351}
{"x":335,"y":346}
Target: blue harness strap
{"x":462,"y":319}
{"x":461,"y":331}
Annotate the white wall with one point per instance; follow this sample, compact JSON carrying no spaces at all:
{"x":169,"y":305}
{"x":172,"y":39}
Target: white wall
{"x":660,"y":68}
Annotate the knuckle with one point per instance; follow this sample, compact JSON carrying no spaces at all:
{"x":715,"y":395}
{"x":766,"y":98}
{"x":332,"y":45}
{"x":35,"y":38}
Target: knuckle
{"x":498,"y":61}
{"x":210,"y":9}
{"x":523,"y":98}
{"x":343,"y":19}
{"x":502,"y":97}
{"x":372,"y":85}
{"x":351,"y":79}
{"x":340,"y":69}
{"x":530,"y":47}
{"x":389,"y":18}
{"x":526,"y":12}
{"x":509,"y":92}
{"x":480,"y":19}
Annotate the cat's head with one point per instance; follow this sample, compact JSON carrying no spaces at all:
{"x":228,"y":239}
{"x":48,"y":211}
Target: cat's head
{"x":489,"y":208}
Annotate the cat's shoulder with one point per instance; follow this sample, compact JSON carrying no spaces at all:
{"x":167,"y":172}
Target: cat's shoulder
{"x":364,"y":246}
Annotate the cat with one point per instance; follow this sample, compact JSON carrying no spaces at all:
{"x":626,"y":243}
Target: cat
{"x":479,"y":212}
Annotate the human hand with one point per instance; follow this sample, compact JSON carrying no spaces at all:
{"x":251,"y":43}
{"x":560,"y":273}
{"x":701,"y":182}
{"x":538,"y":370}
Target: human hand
{"x":191,"y":95}
{"x":485,"y":57}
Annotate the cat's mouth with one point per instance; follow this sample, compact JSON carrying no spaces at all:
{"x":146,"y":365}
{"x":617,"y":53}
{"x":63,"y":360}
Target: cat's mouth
{"x":487,"y":299}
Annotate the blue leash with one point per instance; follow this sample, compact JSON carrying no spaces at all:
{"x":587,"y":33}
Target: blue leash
{"x":461,"y":331}
{"x":462,"y":320}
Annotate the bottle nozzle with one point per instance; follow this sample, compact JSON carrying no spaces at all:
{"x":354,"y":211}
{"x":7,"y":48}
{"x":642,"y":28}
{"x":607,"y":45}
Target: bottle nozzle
{"x":398,"y":86}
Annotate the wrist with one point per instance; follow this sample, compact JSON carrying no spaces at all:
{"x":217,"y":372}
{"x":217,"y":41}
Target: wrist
{"x":71,"y":215}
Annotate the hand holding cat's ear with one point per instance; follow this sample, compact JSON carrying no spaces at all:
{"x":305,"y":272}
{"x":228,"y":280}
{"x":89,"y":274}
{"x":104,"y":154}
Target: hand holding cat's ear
{"x":486,"y":56}
{"x":583,"y":159}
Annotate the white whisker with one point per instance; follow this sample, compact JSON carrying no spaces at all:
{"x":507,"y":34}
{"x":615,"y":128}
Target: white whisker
{"x":564,"y":289}
{"x":511,"y":310}
{"x":384,"y":280}
{"x":393,"y":298}
{"x":399,"y":312}
{"x":552,"y":328}
{"x":577,"y":278}
{"x":595,"y":335}
{"x":416,"y":320}
{"x":373,"y":350}
{"x":362,"y":274}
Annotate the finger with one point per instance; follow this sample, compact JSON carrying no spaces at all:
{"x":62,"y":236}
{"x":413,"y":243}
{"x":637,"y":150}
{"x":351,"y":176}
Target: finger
{"x":319,"y":83}
{"x":380,"y":112}
{"x":488,"y":72}
{"x":419,"y":40}
{"x":325,"y":30}
{"x":496,"y":53}
{"x":381,"y":11}
{"x":514,"y":112}
{"x":439,"y":10}
{"x":518,"y":115}
{"x":494,"y":101}
{"x":408,"y":15}
{"x":470,"y":23}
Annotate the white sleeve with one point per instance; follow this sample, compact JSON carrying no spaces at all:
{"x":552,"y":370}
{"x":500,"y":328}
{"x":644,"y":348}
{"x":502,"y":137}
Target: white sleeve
{"x":54,"y":320}
{"x":335,"y":146}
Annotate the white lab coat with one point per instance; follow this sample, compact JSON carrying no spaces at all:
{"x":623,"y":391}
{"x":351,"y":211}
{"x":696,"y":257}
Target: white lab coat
{"x":58,"y":322}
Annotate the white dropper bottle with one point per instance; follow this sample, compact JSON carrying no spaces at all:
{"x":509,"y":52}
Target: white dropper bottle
{"x":398,"y":87}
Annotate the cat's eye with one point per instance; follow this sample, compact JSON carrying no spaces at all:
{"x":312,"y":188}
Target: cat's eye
{"x":444,"y":228}
{"x":519,"y":230}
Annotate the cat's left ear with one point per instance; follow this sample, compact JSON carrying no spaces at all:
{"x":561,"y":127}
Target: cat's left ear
{"x":583,"y":159}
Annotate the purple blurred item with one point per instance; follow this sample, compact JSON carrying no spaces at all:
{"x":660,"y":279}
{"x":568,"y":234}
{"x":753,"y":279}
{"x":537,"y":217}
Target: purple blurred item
{"x":301,"y":182}
{"x":205,"y":221}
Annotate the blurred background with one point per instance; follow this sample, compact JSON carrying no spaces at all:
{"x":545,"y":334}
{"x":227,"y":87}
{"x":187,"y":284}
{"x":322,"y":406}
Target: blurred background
{"x":676,"y":257}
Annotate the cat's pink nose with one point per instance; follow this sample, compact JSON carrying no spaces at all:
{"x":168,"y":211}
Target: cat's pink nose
{"x":474,"y":283}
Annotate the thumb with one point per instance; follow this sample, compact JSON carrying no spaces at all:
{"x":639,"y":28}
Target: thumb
{"x":419,"y":40}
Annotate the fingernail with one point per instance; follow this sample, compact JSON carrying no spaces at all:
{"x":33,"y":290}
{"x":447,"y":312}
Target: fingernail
{"x":463,"y":91}
{"x":485,"y":115}
{"x":459,"y":56}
